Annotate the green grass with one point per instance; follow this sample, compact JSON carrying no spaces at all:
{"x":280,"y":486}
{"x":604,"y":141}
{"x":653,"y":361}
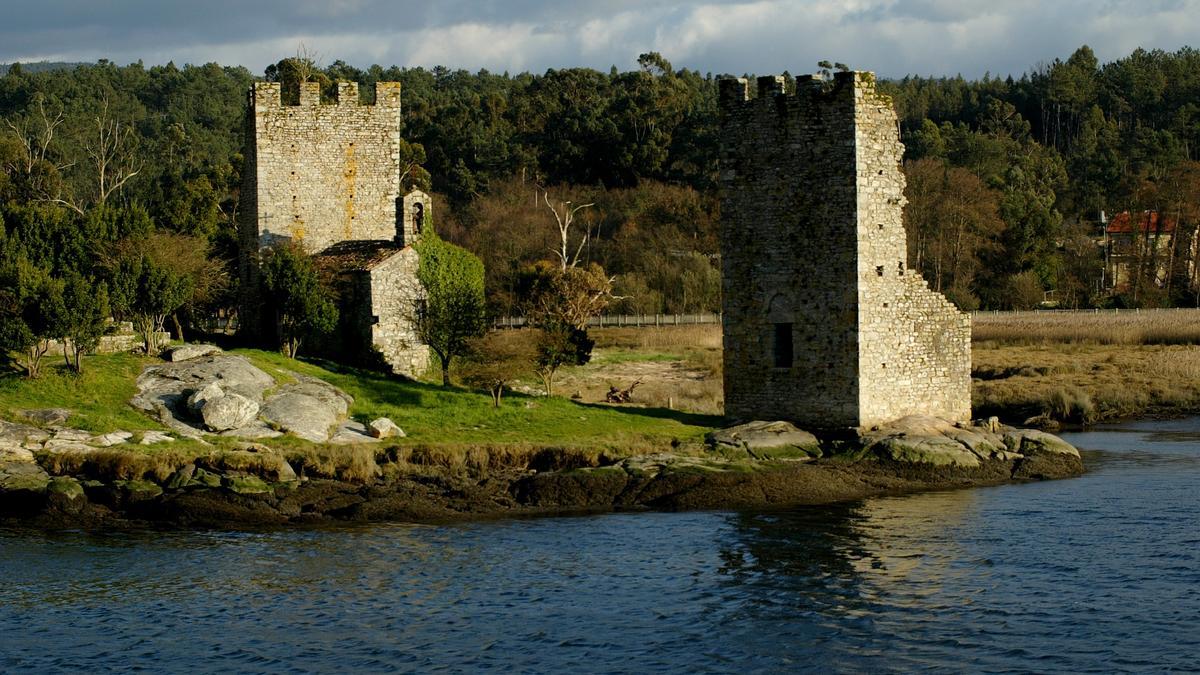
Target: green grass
{"x":99,"y":397}
{"x":430,"y":414}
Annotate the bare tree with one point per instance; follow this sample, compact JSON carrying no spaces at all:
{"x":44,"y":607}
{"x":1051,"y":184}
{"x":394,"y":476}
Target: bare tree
{"x":34,"y":133}
{"x":307,"y":63}
{"x":111,"y":152}
{"x":564,"y":215}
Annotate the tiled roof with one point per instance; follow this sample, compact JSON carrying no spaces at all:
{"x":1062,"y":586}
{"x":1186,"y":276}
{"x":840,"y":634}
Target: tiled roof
{"x":1149,"y":222}
{"x":360,"y":255}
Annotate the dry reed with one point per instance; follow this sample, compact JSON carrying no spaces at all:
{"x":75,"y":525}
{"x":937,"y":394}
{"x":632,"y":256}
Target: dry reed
{"x":1111,"y":327}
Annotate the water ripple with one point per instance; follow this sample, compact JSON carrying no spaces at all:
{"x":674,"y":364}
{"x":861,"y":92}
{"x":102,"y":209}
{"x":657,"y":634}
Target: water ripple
{"x":1098,"y":574}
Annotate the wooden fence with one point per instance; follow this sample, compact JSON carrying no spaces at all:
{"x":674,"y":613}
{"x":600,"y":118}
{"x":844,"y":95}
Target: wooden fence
{"x":626,"y":320}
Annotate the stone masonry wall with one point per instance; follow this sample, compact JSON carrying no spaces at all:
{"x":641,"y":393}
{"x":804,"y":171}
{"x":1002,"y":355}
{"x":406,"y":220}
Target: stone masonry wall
{"x":823,"y":326}
{"x":320,"y":175}
{"x":324,"y":173}
{"x":395,"y":294}
{"x":915,"y":346}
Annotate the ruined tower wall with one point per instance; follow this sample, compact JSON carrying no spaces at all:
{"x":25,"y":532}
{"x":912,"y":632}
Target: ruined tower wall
{"x":323,"y":173}
{"x":823,"y":325}
{"x":915,"y":347}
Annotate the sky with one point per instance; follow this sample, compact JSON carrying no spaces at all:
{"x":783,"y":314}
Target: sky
{"x":891,"y":37}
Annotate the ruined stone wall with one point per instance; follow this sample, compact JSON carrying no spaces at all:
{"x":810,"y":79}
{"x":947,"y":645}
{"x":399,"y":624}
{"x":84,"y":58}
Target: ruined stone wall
{"x":915,"y":346}
{"x":823,"y":326}
{"x":395,"y":294}
{"x":321,"y":174}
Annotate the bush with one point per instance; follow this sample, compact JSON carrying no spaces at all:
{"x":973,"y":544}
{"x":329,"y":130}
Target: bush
{"x":561,"y":344}
{"x":1071,"y":405}
{"x":453,"y":312}
{"x":497,"y":359}
{"x":302,"y":306}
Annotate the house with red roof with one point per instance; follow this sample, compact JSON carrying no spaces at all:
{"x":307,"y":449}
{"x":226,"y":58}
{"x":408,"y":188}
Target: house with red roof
{"x":1133,"y":242}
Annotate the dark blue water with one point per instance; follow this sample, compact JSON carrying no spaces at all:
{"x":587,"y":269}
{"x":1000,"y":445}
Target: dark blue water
{"x":1100,"y":573}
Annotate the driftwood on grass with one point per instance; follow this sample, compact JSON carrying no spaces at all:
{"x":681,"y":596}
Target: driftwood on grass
{"x":618,"y":395}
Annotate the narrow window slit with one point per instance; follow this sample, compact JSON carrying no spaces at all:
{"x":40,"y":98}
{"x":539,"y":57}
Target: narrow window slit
{"x":783,"y":345}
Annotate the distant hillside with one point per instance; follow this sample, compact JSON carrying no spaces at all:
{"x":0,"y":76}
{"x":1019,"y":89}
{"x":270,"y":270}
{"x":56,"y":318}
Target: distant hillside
{"x":40,"y":66}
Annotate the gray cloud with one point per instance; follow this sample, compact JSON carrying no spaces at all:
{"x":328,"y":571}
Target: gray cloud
{"x":893,"y":37}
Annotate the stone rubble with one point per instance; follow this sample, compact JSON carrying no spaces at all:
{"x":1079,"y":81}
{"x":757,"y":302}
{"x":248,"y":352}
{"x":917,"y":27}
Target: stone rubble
{"x":385,"y":428}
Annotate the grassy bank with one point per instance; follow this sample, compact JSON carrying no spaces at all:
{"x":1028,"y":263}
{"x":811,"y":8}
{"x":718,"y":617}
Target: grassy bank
{"x":1070,"y":367}
{"x":447,"y":428}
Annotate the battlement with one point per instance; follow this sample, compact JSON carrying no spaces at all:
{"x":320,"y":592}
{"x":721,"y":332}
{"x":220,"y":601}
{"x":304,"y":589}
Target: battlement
{"x":735,"y":93}
{"x":270,"y":95}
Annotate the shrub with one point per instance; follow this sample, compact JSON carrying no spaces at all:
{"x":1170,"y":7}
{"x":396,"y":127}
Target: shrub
{"x":302,"y":306}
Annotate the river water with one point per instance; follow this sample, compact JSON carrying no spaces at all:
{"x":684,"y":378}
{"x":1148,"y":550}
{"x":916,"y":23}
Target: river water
{"x":1099,"y":573}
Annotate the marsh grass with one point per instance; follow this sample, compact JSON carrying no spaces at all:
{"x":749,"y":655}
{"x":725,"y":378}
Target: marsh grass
{"x":118,"y":463}
{"x":1084,"y":383}
{"x":1124,"y":327}
{"x":671,"y":338}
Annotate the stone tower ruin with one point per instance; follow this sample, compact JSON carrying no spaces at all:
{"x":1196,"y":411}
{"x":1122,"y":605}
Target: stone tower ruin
{"x":327,"y":177}
{"x":824,"y":325}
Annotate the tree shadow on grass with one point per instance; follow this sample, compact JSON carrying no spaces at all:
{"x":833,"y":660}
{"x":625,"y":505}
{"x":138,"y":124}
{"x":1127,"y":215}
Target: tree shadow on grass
{"x":691,"y":419}
{"x":381,"y":387}
{"x":399,"y":390}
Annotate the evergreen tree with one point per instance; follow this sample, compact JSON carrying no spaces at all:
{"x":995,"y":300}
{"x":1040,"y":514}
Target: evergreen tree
{"x":302,"y":306}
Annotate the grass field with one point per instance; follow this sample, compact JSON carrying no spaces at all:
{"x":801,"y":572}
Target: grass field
{"x":429,"y":414}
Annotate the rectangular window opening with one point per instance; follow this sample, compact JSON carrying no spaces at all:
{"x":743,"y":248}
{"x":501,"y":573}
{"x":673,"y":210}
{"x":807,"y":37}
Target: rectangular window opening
{"x":783,"y":345}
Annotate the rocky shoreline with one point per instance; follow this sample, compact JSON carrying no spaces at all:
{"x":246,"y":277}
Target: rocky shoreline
{"x":761,"y":465}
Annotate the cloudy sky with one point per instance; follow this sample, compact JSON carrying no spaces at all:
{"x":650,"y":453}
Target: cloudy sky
{"x":892,"y":37}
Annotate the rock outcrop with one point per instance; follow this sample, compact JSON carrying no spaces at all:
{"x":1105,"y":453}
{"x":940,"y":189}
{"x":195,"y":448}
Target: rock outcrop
{"x":767,"y":440}
{"x":191,"y":351}
{"x":207,"y":391}
{"x":920,"y":439}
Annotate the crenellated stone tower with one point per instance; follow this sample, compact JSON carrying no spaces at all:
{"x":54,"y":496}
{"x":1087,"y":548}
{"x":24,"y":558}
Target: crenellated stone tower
{"x":823,"y":324}
{"x":327,"y":177}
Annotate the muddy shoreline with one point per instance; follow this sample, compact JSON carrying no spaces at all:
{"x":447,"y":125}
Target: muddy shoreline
{"x":233,"y":504}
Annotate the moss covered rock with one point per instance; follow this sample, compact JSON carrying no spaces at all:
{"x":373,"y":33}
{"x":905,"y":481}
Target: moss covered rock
{"x":135,"y":491}
{"x":65,"y":488}
{"x":25,"y":477}
{"x":204,"y":479}
{"x":1034,"y":442}
{"x":246,"y":485}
